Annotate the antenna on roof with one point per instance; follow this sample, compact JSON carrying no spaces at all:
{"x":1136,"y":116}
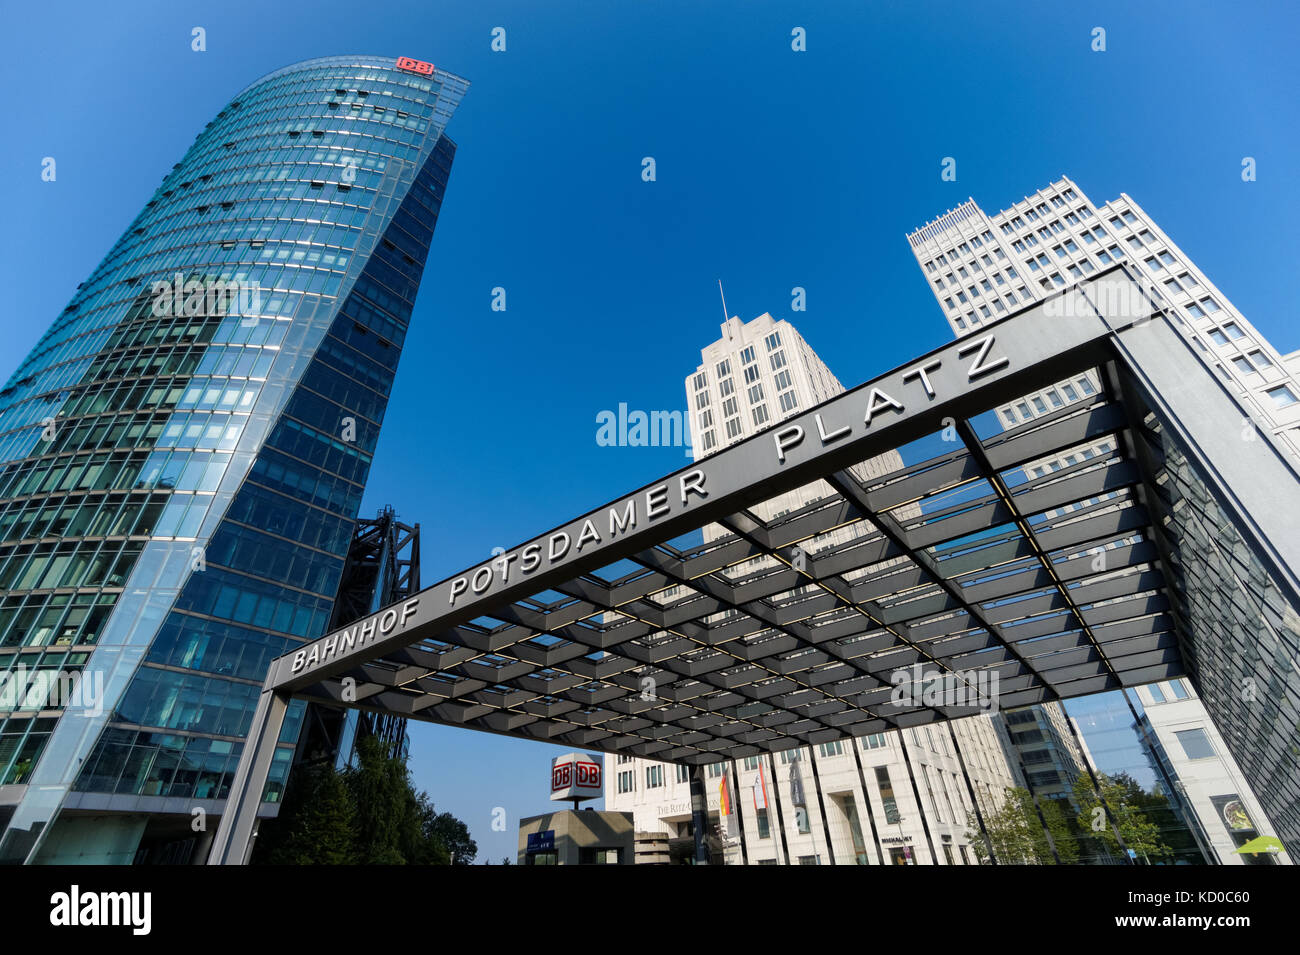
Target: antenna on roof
{"x":726,"y":316}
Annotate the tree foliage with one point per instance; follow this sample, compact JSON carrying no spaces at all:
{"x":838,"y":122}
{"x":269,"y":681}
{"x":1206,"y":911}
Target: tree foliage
{"x":1129,"y":804}
{"x":1019,"y":835}
{"x":368,"y":814}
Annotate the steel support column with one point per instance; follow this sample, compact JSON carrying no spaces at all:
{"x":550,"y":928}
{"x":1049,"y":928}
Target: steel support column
{"x":866,"y":800}
{"x":821,"y":804}
{"x":234,"y":839}
{"x":776,"y":804}
{"x":699,"y":815}
{"x":974,"y":798}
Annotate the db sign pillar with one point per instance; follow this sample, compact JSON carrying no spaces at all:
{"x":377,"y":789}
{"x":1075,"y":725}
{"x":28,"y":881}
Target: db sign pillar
{"x":576,"y":776}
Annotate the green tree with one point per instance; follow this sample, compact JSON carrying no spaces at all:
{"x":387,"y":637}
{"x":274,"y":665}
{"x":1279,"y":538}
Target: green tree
{"x":369,"y":814}
{"x":1016,"y":831}
{"x":453,"y":834}
{"x":316,"y":824}
{"x":427,"y":848}
{"x":1128,"y":803}
{"x":387,"y":811}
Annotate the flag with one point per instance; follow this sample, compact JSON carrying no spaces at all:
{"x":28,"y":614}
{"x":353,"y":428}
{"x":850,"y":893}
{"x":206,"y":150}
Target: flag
{"x":760,"y":790}
{"x":796,"y":786}
{"x":726,"y":808}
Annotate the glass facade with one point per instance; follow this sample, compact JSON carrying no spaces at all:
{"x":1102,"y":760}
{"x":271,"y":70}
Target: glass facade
{"x":183,"y":454}
{"x":1245,"y":625}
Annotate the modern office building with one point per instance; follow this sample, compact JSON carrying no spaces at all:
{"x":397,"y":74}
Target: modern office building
{"x":1202,"y":773}
{"x":981,"y":267}
{"x":1046,"y":747}
{"x":183,"y":453}
{"x":892,"y":797}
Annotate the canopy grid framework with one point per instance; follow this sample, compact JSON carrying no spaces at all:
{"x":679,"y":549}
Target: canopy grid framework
{"x":800,"y":650}
{"x":966,"y":563}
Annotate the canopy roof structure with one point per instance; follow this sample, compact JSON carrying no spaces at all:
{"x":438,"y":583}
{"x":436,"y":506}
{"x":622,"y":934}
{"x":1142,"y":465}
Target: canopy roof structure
{"x":692,"y":621}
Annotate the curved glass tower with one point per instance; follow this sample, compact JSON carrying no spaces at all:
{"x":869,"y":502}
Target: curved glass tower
{"x":183,"y":454}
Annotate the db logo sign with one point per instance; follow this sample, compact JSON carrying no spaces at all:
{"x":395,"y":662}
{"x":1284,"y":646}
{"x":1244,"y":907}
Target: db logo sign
{"x":577,"y":774}
{"x":414,"y":66}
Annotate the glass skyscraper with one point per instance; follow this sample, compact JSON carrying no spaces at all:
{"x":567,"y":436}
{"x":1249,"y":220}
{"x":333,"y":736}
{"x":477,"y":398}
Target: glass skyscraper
{"x":183,"y":453}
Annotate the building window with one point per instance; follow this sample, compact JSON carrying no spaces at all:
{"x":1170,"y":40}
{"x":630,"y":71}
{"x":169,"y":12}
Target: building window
{"x":1176,"y":687}
{"x":654,"y":776}
{"x":683,"y":773}
{"x":772,"y":341}
{"x":764,"y":830}
{"x":751,"y":374}
{"x":1195,"y":743}
{"x":756,"y":394}
{"x":783,"y":380}
{"x":833,"y":748}
{"x":747,"y":355}
{"x":1157,"y":696}
{"x":701,"y":380}
{"x":1282,"y":396}
{"x":1260,"y":359}
{"x":778,"y":360}
{"x":874,"y":741}
{"x":752,"y":763}
{"x":789,"y":402}
{"x":627,"y":781}
{"x":724,"y":367}
{"x":727,"y":387}
{"x":702,"y":399}
{"x":715,"y":770}
{"x":760,"y":415}
{"x":706,"y":419}
{"x":892,"y":815}
{"x":733,"y":427}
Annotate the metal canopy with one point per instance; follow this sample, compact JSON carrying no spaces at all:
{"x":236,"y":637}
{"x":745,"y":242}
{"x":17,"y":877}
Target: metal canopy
{"x":791,"y":630}
{"x":627,"y":630}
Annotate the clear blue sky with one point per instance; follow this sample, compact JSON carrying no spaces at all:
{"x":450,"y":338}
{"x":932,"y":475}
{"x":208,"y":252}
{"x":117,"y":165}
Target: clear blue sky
{"x":775,"y":169}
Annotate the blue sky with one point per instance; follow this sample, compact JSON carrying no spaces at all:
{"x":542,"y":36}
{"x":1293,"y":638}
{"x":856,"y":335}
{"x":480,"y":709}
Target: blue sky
{"x":775,"y":169}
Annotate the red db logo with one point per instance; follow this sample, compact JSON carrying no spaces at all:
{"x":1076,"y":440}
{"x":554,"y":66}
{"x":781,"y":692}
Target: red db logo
{"x":588,"y":774}
{"x":414,"y":66}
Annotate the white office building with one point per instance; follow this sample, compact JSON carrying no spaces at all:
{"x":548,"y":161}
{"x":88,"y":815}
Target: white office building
{"x":1204,"y":776}
{"x":901,"y":797}
{"x":980,"y":268}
